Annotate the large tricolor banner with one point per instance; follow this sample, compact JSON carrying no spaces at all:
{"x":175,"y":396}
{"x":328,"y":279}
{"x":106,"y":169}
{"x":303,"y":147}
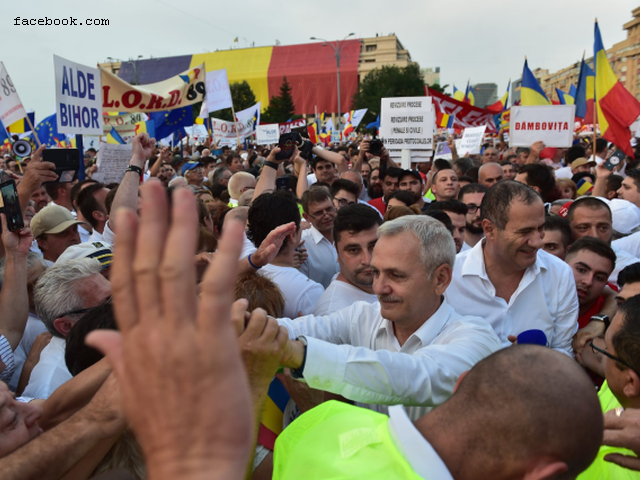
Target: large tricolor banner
{"x":465,"y":114}
{"x":180,"y":90}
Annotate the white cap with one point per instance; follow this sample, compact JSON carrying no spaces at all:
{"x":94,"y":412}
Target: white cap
{"x":98,"y":250}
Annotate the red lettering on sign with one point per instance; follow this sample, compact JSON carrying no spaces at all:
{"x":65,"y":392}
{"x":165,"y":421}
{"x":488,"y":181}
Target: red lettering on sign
{"x":529,"y":126}
{"x":155,"y":102}
{"x":131,"y":98}
{"x":544,"y":125}
{"x":565,"y":126}
{"x":175,"y":98}
{"x":517,"y":125}
{"x":105,"y":97}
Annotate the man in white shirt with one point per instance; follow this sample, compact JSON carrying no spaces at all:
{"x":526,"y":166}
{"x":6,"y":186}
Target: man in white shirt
{"x":508,"y":279}
{"x":322,"y":263}
{"x":355,"y":232}
{"x":62,"y":295}
{"x":91,"y":203}
{"x":471,"y":195}
{"x":411,"y":346}
{"x":55,"y":229}
{"x":267,"y":212}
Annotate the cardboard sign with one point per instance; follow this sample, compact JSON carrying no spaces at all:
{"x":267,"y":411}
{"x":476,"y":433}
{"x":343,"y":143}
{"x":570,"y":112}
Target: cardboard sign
{"x":78,"y":99}
{"x":218,"y":92}
{"x":113,"y":160}
{"x":11,"y":109}
{"x":181,"y":90}
{"x":407,"y":123}
{"x":471,"y":140}
{"x":551,"y":124}
{"x":268,"y":134}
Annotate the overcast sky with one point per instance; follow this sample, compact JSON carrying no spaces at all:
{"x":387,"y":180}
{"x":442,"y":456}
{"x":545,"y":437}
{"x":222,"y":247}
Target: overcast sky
{"x":482,"y":40}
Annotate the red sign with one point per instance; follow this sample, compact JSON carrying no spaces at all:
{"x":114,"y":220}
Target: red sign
{"x":286,"y":127}
{"x":465,"y":115}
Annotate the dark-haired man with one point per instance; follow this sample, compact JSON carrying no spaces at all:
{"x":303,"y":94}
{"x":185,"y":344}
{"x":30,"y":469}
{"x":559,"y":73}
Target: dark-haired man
{"x":506,"y":280}
{"x":457,"y":212}
{"x":557,"y":236}
{"x":355,"y":233}
{"x":538,"y":177}
{"x":444,"y":185}
{"x":344,"y":192}
{"x":91,"y":203}
{"x":411,"y":181}
{"x":390,"y":183}
{"x":471,"y":195}
{"x":630,"y":188}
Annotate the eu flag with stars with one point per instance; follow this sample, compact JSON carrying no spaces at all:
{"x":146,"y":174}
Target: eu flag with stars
{"x":172,"y":121}
{"x":47,"y":129}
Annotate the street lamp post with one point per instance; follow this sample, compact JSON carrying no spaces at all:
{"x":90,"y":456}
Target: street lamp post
{"x":337,"y":49}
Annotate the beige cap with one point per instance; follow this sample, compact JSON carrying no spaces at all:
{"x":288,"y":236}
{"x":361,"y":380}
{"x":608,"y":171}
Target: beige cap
{"x":53,"y":219}
{"x":579,"y":162}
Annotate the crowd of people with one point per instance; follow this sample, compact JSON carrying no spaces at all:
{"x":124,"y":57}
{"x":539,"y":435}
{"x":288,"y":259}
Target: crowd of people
{"x":472,"y":317}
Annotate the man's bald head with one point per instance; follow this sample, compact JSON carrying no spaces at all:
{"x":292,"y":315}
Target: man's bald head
{"x":239,"y":182}
{"x":241,"y":214}
{"x":490,"y":174}
{"x":525,"y":404}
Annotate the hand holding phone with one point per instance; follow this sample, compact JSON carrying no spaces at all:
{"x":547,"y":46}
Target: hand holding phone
{"x":614,"y":160}
{"x":11,"y":205}
{"x":66,"y":160}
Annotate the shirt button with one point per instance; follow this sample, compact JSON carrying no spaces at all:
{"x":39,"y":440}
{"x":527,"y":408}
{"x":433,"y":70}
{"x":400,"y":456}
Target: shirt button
{"x":315,"y":380}
{"x":327,"y":383}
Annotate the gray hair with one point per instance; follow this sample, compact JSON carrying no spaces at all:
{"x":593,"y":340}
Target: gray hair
{"x":33,"y":259}
{"x":56,"y":291}
{"x":436,"y":243}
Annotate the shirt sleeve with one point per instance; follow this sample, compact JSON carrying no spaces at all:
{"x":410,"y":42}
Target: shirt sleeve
{"x":334,"y":328}
{"x":566,"y":324}
{"x":308,"y":299}
{"x":108,"y":234}
{"x":6,"y":355}
{"x":425,"y":378}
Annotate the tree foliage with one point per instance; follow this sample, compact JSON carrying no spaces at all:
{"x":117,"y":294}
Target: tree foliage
{"x":242,"y":96}
{"x":384,"y":82}
{"x":281,"y":108}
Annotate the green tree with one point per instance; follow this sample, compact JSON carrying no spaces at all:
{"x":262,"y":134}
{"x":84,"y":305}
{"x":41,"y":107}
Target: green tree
{"x":242,"y":96}
{"x":439,"y":88}
{"x":281,"y":108}
{"x":384,"y":82}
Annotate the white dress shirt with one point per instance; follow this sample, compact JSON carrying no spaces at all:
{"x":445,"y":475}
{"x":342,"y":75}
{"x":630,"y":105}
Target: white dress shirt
{"x":50,"y":372}
{"x":546,"y":298}
{"x":300,"y":293}
{"x":322,"y":264}
{"x":630,"y":244}
{"x":85,"y":234}
{"x":623,"y":259}
{"x":96,"y":236}
{"x":424,"y":460}
{"x":33,"y":328}
{"x":339,"y":295}
{"x":354,"y":353}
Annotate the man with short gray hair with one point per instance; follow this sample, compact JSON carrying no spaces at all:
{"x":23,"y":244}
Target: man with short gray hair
{"x":62,"y":295}
{"x":408,"y":348}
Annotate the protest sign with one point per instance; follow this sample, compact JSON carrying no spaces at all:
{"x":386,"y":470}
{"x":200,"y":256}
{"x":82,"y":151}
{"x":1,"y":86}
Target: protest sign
{"x":250,"y":116}
{"x":287,"y":126}
{"x":407,"y":123}
{"x":465,"y":114}
{"x":471,"y":140}
{"x":124,"y":124}
{"x":78,"y":98}
{"x":551,"y":124}
{"x":197,"y":132}
{"x":443,"y":151}
{"x":113,"y":160}
{"x":218,"y":93}
{"x":268,"y":134}
{"x":11,"y":109}
{"x":225,"y":132}
{"x":181,"y":90}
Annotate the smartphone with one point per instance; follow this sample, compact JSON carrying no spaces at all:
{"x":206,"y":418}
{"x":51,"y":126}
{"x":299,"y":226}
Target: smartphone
{"x":614,"y":160}
{"x":282,"y":183}
{"x":287,"y":143}
{"x":66,"y":160}
{"x":11,"y":205}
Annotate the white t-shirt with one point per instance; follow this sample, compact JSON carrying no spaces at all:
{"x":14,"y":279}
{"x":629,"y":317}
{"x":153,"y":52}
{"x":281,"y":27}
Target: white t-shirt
{"x":50,"y":372}
{"x":300,"y":293}
{"x":322,"y":264}
{"x":34,"y":328}
{"x":341,"y":294}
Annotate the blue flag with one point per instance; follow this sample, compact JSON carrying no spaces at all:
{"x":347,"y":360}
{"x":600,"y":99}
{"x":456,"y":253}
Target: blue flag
{"x":47,"y":131}
{"x":172,"y":121}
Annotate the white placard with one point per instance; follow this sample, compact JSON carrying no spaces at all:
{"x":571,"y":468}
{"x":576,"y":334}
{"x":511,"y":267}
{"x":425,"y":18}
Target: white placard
{"x":78,"y":98}
{"x":113,"y":160}
{"x":268,"y":134}
{"x":551,"y":124}
{"x":218,"y":92}
{"x":11,"y":109}
{"x":471,"y":140}
{"x":407,"y":123}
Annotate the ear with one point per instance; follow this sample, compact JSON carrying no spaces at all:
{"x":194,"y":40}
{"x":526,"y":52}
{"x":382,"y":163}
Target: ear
{"x":306,"y":217}
{"x":631,"y":387}
{"x":489,"y":228}
{"x":99,"y":216}
{"x":42,"y":244}
{"x":63,"y":325}
{"x":442,"y":277}
{"x":546,"y":469}
{"x":537,"y":189}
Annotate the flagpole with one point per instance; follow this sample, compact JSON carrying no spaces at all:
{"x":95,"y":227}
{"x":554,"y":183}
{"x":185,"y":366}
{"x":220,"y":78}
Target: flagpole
{"x":233,"y":112}
{"x":35,"y":135}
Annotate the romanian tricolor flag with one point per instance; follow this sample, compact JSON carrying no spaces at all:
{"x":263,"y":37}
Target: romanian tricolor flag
{"x":148,"y":126}
{"x":585,"y":93}
{"x":469,"y":96}
{"x":447,"y":121}
{"x":325,"y":138}
{"x":60,"y":143}
{"x":458,"y":94}
{"x":22,"y":126}
{"x":531,"y":92}
{"x":616,"y":108}
{"x":272,"y":422}
{"x":501,"y":105}
{"x":114,"y":137}
{"x":564,"y":97}
{"x":313,"y":133}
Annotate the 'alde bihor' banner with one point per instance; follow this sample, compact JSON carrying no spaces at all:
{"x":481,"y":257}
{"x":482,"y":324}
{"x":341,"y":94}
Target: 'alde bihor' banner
{"x":181,"y":90}
{"x":78,"y":102}
{"x":551,"y":124}
{"x":465,"y":114}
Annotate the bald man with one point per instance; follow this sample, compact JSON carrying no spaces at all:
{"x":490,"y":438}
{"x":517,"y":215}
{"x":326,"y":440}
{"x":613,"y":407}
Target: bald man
{"x":490,"y":174}
{"x":238,"y":184}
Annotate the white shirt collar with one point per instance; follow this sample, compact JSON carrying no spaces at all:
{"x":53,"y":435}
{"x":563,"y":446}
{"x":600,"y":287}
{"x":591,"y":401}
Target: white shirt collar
{"x":315,"y":234}
{"x":475,"y":263}
{"x":424,"y":460}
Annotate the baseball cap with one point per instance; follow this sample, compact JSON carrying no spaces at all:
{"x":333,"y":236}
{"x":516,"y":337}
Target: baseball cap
{"x":53,"y":219}
{"x":190,"y":166}
{"x":98,"y":250}
{"x":413,"y":173}
{"x":579,"y":162}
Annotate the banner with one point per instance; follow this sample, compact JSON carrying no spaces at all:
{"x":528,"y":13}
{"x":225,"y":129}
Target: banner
{"x":218,"y":92}
{"x":471,"y":140}
{"x":225,"y":132}
{"x":287,"y":126}
{"x":11,"y":109}
{"x":268,"y":134}
{"x":181,"y":90}
{"x":465,"y":114}
{"x":250,"y":116}
{"x":551,"y":124}
{"x":124,"y":124}
{"x":407,"y":123}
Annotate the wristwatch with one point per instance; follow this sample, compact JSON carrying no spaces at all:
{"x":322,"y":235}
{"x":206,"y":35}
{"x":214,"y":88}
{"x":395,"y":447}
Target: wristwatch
{"x":297,"y":373}
{"x":604,"y":319}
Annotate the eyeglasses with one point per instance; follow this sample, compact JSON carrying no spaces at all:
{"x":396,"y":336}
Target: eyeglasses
{"x":472,"y":208}
{"x":343,"y":201}
{"x":608,"y":355}
{"x":82,"y":311}
{"x":322,"y":213}
{"x":197,"y":170}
